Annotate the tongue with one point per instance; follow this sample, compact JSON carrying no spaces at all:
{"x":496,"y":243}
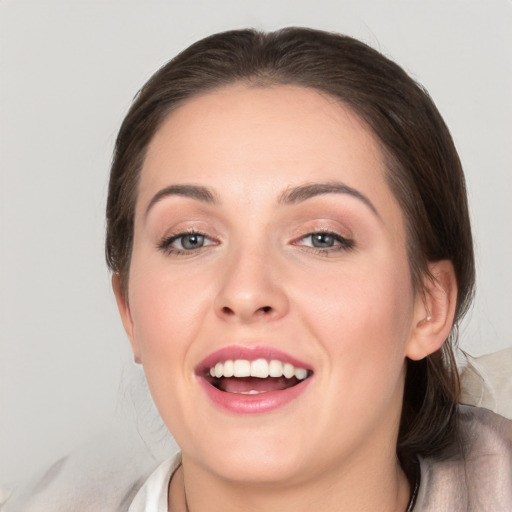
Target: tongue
{"x":245,"y":384}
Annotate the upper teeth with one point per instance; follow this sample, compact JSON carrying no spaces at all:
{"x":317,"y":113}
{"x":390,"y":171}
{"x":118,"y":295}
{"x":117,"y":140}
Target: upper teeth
{"x":258,"y":368}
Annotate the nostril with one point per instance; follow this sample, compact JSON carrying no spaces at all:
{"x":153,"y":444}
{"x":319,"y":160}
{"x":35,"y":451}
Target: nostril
{"x":263,"y":311}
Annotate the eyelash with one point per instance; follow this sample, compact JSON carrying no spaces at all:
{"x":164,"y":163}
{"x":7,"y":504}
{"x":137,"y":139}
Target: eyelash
{"x":165,"y":244}
{"x":341,"y":243}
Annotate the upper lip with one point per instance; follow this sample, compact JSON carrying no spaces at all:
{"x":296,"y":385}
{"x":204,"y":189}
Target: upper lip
{"x":249,"y":353}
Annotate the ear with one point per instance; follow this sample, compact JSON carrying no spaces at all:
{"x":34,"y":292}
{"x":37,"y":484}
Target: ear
{"x":126,"y":315}
{"x":434,"y":311}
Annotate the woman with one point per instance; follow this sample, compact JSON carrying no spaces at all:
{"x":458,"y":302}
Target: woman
{"x":288,"y":232}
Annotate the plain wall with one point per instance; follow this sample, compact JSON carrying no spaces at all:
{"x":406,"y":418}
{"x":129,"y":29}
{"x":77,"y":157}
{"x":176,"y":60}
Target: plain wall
{"x":69,"y":70}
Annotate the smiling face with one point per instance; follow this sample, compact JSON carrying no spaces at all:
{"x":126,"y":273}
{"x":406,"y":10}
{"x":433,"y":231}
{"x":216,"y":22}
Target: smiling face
{"x":267,"y":242}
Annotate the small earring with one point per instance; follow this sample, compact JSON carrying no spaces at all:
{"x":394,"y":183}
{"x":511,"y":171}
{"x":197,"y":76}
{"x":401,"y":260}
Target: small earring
{"x":428,"y":318}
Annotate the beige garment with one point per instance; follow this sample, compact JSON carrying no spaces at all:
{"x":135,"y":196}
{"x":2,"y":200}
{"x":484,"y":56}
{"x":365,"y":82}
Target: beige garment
{"x":487,"y":382}
{"x":476,"y":475}
{"x":103,"y":475}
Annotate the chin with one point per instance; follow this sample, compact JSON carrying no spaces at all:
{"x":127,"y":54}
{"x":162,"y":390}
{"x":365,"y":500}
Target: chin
{"x":251,"y":456}
{"x":255,"y":469}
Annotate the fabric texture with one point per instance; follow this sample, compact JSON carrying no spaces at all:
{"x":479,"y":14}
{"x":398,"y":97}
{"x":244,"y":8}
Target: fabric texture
{"x":153,"y":495}
{"x":486,"y":381}
{"x":475,"y":475}
{"x":102,"y":475}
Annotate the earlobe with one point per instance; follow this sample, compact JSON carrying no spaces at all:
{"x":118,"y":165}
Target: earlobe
{"x":434,"y":311}
{"x":126,"y":316}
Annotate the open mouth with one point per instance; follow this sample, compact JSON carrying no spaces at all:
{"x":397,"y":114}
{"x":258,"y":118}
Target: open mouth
{"x":245,"y":377}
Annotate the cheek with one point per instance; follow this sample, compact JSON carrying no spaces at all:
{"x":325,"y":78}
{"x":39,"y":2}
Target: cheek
{"x":362,"y":316}
{"x":165,"y":318}
{"x":166,"y":313}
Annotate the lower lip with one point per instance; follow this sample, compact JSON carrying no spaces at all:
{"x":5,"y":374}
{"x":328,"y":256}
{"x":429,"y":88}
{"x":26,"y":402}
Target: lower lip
{"x":253,"y":404}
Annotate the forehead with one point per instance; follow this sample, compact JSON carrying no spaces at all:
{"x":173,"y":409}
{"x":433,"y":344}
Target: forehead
{"x":263,"y":114}
{"x":283,"y":135}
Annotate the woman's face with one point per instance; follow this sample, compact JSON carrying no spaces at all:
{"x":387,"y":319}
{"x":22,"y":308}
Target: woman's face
{"x":265,"y":231}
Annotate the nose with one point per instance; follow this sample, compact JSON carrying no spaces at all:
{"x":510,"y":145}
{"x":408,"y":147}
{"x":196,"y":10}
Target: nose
{"x":250,"y":289}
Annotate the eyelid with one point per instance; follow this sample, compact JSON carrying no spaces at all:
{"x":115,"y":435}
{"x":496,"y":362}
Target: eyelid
{"x":344,"y":243}
{"x":165,"y":244}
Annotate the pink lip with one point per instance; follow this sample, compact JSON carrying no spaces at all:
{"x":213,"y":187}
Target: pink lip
{"x":249,"y":353}
{"x":249,"y":404}
{"x":252,"y":404}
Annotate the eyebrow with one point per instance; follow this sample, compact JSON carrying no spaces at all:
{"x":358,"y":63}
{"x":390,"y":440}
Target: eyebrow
{"x":303,"y":192}
{"x":292,"y":195}
{"x":203,"y":194}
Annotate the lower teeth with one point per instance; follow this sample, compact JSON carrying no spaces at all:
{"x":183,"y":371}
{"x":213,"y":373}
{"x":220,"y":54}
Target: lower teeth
{"x":227,"y":384}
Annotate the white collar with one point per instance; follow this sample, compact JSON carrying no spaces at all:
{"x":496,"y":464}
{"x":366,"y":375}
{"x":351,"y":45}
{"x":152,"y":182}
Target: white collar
{"x":153,"y":495}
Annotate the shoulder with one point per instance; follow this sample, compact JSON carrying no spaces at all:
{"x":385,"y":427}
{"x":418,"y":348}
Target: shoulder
{"x":104,"y":475}
{"x":477,"y":473}
{"x":485,"y":431}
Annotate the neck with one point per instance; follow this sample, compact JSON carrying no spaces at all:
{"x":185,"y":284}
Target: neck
{"x":193,"y":489}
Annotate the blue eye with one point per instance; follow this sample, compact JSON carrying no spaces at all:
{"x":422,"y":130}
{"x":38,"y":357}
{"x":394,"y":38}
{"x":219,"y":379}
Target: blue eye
{"x":325,"y":241}
{"x":322,"y":240}
{"x":192,"y":241}
{"x":184,"y":243}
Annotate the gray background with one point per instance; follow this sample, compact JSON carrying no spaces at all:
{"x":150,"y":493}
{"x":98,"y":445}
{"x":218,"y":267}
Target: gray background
{"x":68,"y":72}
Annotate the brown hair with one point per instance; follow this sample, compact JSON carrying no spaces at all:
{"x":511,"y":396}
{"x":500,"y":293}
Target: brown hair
{"x":424,"y":173}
